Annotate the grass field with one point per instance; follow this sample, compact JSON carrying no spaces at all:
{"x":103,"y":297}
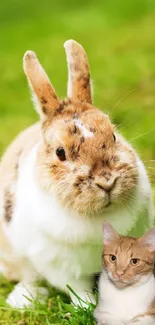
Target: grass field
{"x":119,"y":37}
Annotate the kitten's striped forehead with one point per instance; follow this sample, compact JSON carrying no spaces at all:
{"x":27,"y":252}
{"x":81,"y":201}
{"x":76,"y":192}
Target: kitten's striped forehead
{"x":128,"y":247}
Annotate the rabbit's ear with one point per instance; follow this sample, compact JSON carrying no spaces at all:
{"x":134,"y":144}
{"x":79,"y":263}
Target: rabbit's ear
{"x":43,"y":93}
{"x":78,"y":72}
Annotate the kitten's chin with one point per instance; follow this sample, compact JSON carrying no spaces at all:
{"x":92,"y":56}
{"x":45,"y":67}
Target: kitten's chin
{"x":121,"y":284}
{"x":118,"y":283}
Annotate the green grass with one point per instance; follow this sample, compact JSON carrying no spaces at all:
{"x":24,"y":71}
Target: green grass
{"x":118,"y":36}
{"x":56,"y":310}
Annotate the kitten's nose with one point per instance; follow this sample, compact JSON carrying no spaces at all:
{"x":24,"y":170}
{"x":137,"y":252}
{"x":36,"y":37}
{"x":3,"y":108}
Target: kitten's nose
{"x":120,"y":273}
{"x":106,"y":184}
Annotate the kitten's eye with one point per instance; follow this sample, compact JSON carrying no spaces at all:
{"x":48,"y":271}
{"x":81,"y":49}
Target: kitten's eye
{"x":114,"y":137}
{"x":112,"y":258}
{"x":134,"y":261}
{"x":60,"y":152}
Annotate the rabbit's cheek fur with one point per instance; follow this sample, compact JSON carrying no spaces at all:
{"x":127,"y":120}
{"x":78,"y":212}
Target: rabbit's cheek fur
{"x":79,"y":181}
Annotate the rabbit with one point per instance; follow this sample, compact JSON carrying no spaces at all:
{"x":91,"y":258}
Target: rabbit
{"x":59,"y":180}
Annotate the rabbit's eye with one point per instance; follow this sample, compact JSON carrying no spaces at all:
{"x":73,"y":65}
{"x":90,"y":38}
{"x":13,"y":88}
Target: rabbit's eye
{"x":114,"y":137}
{"x":60,"y":152}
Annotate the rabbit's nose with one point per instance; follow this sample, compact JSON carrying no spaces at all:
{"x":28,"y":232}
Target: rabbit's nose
{"x":105,"y":184}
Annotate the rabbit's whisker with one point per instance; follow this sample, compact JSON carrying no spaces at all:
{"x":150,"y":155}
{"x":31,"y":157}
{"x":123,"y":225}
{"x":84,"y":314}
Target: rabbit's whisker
{"x":141,"y":135}
{"x":122,"y":98}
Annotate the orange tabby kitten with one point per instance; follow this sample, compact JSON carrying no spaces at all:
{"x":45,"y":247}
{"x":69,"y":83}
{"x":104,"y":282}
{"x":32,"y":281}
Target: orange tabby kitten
{"x":127,"y":282}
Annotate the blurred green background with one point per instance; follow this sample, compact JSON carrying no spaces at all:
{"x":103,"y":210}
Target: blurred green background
{"x":119,"y":38}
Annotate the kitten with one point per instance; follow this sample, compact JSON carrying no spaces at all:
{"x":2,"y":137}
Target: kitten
{"x":127,"y":282}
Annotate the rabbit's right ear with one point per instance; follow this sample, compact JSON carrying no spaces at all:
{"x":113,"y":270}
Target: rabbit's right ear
{"x":43,"y":93}
{"x":79,"y":87}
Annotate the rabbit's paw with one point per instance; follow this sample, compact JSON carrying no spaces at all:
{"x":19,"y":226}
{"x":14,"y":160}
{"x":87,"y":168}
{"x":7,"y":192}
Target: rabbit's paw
{"x":22,"y":296}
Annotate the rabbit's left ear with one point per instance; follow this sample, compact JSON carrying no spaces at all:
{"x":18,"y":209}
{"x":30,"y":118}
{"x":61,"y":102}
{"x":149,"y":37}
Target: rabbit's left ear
{"x":43,"y":93}
{"x":79,"y":87}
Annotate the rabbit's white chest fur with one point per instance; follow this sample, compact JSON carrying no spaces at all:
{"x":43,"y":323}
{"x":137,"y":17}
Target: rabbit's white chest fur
{"x":61,"y":246}
{"x":125,"y":304}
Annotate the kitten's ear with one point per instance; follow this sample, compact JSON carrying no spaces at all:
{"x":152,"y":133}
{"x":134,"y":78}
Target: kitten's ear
{"x":148,"y":240}
{"x":109,"y":233}
{"x":43,"y":93}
